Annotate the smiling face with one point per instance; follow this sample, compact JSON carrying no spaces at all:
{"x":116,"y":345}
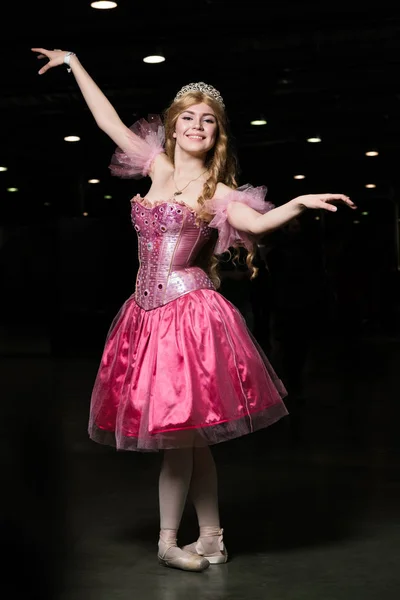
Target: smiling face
{"x":196,"y":129}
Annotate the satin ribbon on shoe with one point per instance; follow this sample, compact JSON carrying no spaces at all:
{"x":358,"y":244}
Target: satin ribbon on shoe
{"x":214,"y":558}
{"x":183,"y":560}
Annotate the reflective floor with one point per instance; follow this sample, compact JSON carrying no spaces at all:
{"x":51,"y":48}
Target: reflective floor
{"x":310,"y":506}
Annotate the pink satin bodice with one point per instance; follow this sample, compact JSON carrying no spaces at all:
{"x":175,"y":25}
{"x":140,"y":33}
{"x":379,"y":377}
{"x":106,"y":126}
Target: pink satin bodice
{"x":170,"y":237}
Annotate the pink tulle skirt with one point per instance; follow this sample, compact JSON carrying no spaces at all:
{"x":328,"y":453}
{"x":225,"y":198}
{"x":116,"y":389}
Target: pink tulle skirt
{"x":189,"y":373}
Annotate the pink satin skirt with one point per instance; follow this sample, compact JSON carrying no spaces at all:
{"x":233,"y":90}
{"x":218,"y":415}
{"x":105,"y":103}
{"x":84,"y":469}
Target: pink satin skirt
{"x":189,"y":373}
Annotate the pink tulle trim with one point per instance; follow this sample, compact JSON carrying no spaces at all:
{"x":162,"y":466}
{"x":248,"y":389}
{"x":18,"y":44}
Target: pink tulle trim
{"x":228,"y":236}
{"x":144,"y":141}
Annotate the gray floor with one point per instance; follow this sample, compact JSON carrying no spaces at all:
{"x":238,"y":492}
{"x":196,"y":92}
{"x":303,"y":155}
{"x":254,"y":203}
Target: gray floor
{"x":310,"y":506}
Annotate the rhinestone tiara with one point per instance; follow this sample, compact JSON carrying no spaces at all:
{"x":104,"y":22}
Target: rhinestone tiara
{"x":200,"y":87}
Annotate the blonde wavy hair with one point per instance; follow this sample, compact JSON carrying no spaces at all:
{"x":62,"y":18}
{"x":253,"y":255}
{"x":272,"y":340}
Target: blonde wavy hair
{"x":222,"y":166}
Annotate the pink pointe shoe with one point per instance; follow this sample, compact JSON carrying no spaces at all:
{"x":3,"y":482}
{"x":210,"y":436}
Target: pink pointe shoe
{"x":170,"y":555}
{"x":213,"y":550}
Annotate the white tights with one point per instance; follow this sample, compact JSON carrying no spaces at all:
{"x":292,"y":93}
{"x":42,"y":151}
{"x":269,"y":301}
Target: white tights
{"x":187,"y":472}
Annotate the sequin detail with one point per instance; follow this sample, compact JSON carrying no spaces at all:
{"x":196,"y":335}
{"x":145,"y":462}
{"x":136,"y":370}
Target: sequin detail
{"x":170,"y":236}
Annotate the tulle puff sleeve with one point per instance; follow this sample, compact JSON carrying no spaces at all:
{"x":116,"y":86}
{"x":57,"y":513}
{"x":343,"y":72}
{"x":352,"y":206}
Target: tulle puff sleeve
{"x":144,"y":141}
{"x":228,"y":236}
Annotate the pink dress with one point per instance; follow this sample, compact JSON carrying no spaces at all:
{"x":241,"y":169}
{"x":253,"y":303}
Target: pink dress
{"x":180,"y":367}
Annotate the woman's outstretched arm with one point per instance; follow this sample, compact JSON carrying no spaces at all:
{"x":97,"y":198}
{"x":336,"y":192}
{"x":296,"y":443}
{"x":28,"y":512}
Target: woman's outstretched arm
{"x":244,"y":218}
{"x":101,"y":108}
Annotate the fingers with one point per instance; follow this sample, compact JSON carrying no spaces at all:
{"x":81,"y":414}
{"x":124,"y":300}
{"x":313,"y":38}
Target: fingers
{"x":43,"y":54}
{"x":341,"y":197}
{"x":335,"y":197}
{"x":44,"y":69}
{"x":41,"y":50}
{"x":329,"y":207}
{"x":350,"y":203}
{"x":326,"y":201}
{"x":52,"y":57}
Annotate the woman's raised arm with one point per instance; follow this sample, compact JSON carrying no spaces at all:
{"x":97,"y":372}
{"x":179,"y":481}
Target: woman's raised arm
{"x":101,"y":108}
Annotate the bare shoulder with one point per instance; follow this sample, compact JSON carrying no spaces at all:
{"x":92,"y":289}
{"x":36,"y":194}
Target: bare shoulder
{"x":222,"y":190}
{"x":161,"y":168}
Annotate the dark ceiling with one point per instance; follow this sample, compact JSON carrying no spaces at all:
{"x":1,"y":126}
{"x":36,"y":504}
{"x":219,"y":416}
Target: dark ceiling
{"x":326,"y":68}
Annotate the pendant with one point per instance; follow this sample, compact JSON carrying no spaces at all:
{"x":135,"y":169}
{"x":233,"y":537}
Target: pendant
{"x":177,"y":193}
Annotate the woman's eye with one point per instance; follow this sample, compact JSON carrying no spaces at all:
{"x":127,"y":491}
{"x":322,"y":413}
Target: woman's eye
{"x":186,"y":118}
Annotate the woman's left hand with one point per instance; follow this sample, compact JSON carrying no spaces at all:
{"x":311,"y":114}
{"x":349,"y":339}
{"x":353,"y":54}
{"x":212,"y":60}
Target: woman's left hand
{"x":323,"y":201}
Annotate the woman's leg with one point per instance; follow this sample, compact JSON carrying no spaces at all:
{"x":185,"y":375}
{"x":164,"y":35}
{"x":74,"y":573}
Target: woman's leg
{"x":204,"y":495}
{"x":175,"y":476}
{"x":174,"y":482}
{"x":204,"y":488}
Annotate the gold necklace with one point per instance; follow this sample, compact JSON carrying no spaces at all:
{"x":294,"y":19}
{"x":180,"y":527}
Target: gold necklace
{"x":179,"y":192}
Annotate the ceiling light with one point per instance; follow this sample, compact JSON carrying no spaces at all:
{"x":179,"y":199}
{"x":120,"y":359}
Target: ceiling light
{"x":317,"y":218}
{"x":85,"y":214}
{"x":371,"y":153}
{"x":3,"y":169}
{"x":314,"y":140}
{"x":103,"y":4}
{"x":356,"y":222}
{"x":258,"y":122}
{"x":72,"y":138}
{"x":47,"y":203}
{"x":107,"y":197}
{"x":299,"y":177}
{"x":12,"y":189}
{"x":365,"y":213}
{"x":93,"y":180}
{"x":153,"y":59}
{"x":370,"y":186}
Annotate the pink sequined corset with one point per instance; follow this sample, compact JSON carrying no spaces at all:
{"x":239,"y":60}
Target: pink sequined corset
{"x":169,"y":242}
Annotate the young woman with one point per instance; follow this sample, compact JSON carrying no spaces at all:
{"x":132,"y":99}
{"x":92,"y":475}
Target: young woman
{"x":180,"y":370}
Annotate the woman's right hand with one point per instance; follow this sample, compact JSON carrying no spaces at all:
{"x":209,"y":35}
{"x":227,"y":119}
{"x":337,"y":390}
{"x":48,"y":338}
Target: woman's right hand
{"x":56,"y":57}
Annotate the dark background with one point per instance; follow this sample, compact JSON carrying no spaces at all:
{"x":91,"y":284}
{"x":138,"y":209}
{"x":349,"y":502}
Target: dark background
{"x":327,"y":69}
{"x":326,"y":310}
